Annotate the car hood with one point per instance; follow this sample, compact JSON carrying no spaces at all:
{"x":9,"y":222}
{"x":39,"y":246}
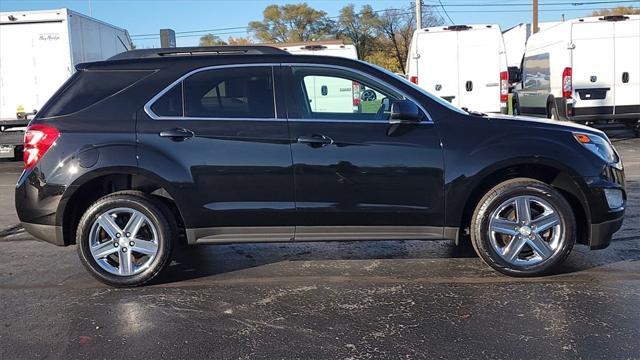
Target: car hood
{"x":545,"y":123}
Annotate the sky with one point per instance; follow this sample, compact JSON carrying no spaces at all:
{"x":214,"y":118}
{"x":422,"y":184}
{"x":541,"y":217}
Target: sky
{"x":141,"y":17}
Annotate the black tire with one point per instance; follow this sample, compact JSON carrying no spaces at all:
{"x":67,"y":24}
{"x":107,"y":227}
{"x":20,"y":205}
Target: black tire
{"x":552,"y":112}
{"x":154,"y":210}
{"x":516,"y":109}
{"x":502,"y":193}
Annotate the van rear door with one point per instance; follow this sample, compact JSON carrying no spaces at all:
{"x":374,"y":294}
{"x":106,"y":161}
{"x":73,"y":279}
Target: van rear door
{"x":437,"y":65}
{"x":479,"y":52}
{"x":627,"y":66}
{"x":593,"y":68}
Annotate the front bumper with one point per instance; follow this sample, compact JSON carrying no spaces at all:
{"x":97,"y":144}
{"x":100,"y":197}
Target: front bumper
{"x":601,"y":233}
{"x":49,"y":233}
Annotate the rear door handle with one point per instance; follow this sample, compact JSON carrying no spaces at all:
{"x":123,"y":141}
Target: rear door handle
{"x":177,"y":134}
{"x":315,"y":140}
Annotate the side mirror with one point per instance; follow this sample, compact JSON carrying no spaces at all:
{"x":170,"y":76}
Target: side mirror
{"x":515,"y":76}
{"x":405,"y":112}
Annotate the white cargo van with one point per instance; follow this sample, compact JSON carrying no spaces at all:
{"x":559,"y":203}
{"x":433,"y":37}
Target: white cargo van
{"x":329,"y":94}
{"x":464,"y":64}
{"x":38,"y":53}
{"x":583,"y":70}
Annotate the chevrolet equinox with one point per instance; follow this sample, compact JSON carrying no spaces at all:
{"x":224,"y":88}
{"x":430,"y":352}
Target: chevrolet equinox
{"x":252,"y":144}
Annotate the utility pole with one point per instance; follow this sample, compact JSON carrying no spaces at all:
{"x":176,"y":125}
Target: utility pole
{"x":535,"y":16}
{"x":418,"y":14}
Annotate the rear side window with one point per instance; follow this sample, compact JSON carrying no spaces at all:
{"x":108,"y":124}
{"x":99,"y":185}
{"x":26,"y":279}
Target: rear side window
{"x":230,"y":93}
{"x":169,"y":104}
{"x":89,"y":87}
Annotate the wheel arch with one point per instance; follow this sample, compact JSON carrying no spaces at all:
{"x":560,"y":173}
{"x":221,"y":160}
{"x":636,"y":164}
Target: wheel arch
{"x":563,"y":179}
{"x":93,"y":185}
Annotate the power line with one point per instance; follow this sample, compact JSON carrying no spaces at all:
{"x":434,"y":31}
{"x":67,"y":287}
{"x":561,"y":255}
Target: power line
{"x":573,"y":3}
{"x":577,"y":7}
{"x":445,"y":12}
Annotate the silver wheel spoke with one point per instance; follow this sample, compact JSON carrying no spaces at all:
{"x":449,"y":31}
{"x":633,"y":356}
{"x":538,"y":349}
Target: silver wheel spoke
{"x":144,"y":247}
{"x":540,"y":246}
{"x":103,"y":250}
{"x":134,"y":224}
{"x":502,"y":226}
{"x":545,"y":222}
{"x":513,"y":249}
{"x":523,"y":210}
{"x":126,"y":262}
{"x":106,"y":222}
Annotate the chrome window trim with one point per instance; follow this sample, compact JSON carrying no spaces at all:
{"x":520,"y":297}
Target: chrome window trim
{"x":151,"y":114}
{"x":154,"y":116}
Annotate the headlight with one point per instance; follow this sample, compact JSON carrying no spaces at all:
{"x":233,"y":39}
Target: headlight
{"x":598,"y":145}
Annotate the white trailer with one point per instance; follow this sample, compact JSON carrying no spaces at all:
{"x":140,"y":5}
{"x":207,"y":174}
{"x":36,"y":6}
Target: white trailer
{"x":464,"y":64}
{"x":38,"y":53}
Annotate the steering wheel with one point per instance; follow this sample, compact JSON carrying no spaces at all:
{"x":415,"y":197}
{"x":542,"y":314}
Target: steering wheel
{"x":368,"y":95}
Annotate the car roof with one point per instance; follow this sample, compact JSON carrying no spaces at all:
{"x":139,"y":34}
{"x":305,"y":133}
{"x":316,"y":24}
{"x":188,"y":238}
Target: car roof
{"x":194,"y":57}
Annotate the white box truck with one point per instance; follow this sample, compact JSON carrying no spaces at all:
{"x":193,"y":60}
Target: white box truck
{"x":38,"y":53}
{"x":584,"y":70}
{"x":464,"y":64}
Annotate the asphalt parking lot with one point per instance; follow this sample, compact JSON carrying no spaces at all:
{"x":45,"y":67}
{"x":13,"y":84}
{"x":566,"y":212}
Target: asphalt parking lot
{"x":389,"y":299}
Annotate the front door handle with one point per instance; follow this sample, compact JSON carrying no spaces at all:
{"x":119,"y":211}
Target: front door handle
{"x":177,"y":134}
{"x":315,"y":140}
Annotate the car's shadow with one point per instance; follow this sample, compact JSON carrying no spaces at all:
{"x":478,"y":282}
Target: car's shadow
{"x":210,"y":260}
{"x":192,"y":262}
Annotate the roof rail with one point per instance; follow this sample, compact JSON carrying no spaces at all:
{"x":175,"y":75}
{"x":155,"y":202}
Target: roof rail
{"x":202,"y":50}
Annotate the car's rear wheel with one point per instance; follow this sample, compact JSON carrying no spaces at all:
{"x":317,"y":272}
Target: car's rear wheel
{"x":523,"y":227}
{"x":125,"y":239}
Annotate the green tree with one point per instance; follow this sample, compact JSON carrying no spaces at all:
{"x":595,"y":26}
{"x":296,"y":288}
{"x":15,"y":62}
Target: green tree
{"x":620,"y":10}
{"x":359,"y":27}
{"x":211,"y":40}
{"x":291,"y":23}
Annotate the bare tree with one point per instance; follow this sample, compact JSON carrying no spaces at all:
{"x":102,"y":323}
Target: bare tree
{"x":359,"y":27}
{"x":620,"y":10}
{"x":396,"y":27}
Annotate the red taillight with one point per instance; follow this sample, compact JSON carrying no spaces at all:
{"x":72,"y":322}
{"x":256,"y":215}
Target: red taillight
{"x":356,"y":95}
{"x":413,"y":79}
{"x":37,"y":140}
{"x":567,"y":86}
{"x":504,"y":86}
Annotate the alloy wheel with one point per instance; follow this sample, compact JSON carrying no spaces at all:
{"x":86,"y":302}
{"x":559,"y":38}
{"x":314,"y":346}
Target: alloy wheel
{"x":525,"y":230}
{"x":123,"y":241}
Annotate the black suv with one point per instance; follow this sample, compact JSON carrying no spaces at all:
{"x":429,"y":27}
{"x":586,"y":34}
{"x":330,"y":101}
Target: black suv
{"x":250,"y":144}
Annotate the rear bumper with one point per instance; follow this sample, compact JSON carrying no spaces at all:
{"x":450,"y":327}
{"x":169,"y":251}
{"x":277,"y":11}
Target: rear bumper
{"x":49,"y":233}
{"x":568,"y":111}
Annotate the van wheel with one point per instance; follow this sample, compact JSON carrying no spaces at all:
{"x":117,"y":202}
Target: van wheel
{"x":523,"y":227}
{"x":552,"y":112}
{"x":125,"y":239}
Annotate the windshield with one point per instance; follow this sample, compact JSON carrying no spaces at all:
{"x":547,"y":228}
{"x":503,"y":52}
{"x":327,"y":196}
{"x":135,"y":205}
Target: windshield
{"x":437,"y":99}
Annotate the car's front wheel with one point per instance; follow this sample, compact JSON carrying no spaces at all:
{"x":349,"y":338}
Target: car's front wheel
{"x":523,"y":227}
{"x":125,"y":239}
